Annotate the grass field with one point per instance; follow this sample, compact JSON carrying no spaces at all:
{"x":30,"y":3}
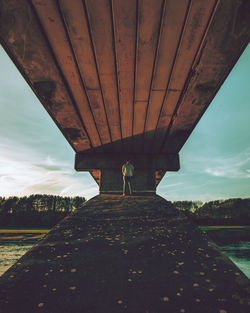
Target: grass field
{"x":22,"y":234}
{"x":21,"y":231}
{"x":205,"y":228}
{"x":15,"y":234}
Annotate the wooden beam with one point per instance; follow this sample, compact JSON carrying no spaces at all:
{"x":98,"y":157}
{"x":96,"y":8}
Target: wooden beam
{"x":53,"y":27}
{"x":172,"y":24}
{"x":100,"y":22}
{"x":148,"y":32}
{"x":197,"y":18}
{"x":222,"y":46}
{"x":90,"y":161}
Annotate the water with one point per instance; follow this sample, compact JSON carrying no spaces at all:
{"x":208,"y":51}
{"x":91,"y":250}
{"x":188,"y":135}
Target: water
{"x":10,"y":253}
{"x":239,"y":253}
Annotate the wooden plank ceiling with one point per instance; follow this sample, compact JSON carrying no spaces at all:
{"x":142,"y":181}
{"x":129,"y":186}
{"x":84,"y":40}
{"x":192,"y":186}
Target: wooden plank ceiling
{"x":128,"y":75}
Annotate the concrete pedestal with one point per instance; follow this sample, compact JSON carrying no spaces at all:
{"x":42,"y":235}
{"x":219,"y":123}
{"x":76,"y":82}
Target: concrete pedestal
{"x":143,"y":182}
{"x":110,"y":166}
{"x":124,"y":255}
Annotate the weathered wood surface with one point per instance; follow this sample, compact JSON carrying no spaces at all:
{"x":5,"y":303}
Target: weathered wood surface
{"x":125,"y":76}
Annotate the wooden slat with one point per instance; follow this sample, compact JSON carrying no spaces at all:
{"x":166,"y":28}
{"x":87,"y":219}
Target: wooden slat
{"x":197,"y":19}
{"x":53,"y":26}
{"x":148,"y":31}
{"x":23,"y":38}
{"x":140,"y":108}
{"x":124,"y":16}
{"x":211,"y":67}
{"x":173,"y":18}
{"x":100,"y":20}
{"x":77,"y":27}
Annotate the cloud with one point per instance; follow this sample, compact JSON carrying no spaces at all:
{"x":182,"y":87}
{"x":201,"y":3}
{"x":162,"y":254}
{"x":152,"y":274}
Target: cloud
{"x":170,"y":185}
{"x":233,"y":165}
{"x":228,"y":172}
{"x":208,"y":178}
{"x":26,"y":173}
{"x":236,"y":166}
{"x":51,"y":164}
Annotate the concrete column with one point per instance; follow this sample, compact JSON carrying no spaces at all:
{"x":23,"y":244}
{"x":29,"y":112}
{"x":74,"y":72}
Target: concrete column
{"x":110,"y":166}
{"x":143,"y":181}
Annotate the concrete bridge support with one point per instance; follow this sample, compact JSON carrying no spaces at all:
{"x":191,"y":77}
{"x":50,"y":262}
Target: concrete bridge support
{"x":143,"y":181}
{"x":110,"y":165}
{"x":125,"y":255}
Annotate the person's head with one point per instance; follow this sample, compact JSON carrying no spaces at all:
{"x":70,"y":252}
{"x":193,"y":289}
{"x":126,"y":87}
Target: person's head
{"x":127,"y":161}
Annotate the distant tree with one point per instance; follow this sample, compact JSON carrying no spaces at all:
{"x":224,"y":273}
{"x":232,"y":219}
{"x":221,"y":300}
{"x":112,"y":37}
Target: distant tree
{"x":231,"y":211}
{"x":36,"y":210}
{"x":77,"y":202}
{"x":190,"y":206}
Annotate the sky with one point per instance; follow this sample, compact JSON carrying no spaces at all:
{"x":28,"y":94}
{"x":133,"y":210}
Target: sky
{"x":35,"y":158}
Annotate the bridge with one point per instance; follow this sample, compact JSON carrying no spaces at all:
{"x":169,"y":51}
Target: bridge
{"x":125,"y":79}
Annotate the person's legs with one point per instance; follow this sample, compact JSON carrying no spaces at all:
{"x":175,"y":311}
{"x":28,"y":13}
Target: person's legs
{"x":130,"y":185}
{"x":124,"y":185}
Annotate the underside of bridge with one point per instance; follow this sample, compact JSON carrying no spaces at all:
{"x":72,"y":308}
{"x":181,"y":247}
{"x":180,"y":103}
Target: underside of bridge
{"x":125,"y":79}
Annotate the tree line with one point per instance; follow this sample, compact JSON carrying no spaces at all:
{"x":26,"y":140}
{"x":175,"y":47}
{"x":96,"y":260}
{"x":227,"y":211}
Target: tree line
{"x":235,"y":211}
{"x":191,"y":206}
{"x":36,"y":210}
{"x":47,"y":210}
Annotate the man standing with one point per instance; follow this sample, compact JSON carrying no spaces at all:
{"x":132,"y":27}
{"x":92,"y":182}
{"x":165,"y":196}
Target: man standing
{"x":127,"y":172}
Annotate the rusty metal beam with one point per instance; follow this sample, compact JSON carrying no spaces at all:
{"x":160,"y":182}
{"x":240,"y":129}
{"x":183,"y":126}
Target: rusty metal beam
{"x":124,"y":29}
{"x":224,"y":41}
{"x":30,"y":50}
{"x":100,"y":24}
{"x":175,"y":14}
{"x":76,"y":27}
{"x":133,"y":76}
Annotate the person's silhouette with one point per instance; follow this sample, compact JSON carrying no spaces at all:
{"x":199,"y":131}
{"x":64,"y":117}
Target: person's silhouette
{"x":127,"y":172}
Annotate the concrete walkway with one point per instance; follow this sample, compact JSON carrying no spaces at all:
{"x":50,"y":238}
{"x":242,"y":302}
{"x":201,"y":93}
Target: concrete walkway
{"x":129,"y":254}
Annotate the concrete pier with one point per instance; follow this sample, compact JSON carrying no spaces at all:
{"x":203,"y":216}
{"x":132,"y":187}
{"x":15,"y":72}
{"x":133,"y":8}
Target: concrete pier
{"x":131,"y":254}
{"x":109,"y":165}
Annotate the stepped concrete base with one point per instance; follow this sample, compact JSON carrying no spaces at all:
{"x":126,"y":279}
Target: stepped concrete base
{"x":129,"y":254}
